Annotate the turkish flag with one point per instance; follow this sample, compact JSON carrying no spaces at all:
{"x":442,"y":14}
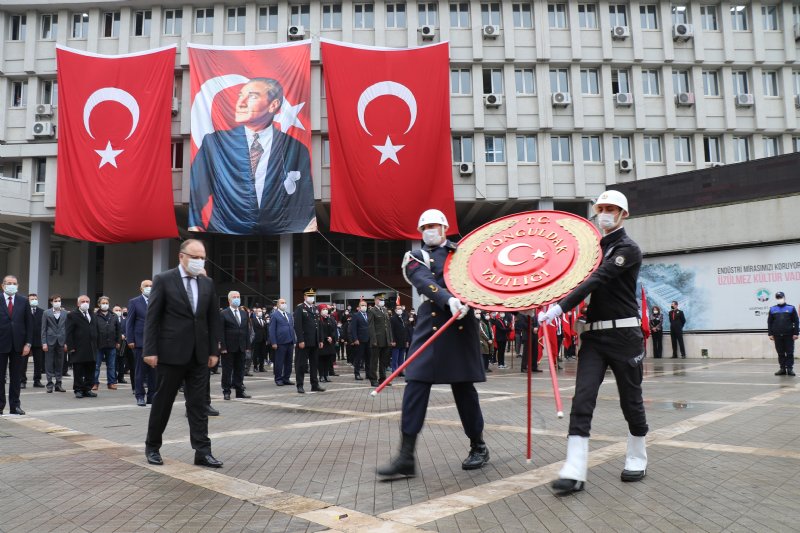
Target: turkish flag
{"x":114,"y":161}
{"x":389,"y":127}
{"x":645,"y":318}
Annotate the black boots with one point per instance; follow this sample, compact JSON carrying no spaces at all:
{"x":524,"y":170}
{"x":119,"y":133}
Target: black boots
{"x":403,"y":465}
{"x":478,"y":454}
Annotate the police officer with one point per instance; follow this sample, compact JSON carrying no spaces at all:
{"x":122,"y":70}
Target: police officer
{"x":309,"y":341}
{"x":613,"y":338}
{"x":782,"y":328}
{"x":380,"y":340}
{"x":453,"y":358}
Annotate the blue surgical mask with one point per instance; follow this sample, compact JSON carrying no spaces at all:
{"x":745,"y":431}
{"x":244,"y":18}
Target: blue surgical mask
{"x":236,"y":301}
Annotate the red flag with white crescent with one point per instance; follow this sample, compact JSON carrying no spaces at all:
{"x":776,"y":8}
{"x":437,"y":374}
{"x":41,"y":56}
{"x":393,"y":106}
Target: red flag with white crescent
{"x":645,"y":318}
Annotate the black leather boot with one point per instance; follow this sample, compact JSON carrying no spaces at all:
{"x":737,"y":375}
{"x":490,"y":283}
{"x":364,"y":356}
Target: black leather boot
{"x":478,"y":454}
{"x":403,"y":465}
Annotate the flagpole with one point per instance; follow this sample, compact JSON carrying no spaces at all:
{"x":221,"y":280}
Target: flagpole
{"x":530,"y":378}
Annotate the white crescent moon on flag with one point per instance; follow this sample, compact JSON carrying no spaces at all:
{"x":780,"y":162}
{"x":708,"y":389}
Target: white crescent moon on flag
{"x":201,"y":107}
{"x":387,"y":88}
{"x":503,"y":255}
{"x":111,"y":94}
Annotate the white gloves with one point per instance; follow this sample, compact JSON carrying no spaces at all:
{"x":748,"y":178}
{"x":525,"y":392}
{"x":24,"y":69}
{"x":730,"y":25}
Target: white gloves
{"x":551,"y":314}
{"x":457,"y":308}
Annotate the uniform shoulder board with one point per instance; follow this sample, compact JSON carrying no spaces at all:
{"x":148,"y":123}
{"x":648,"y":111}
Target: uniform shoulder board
{"x":450,"y":245}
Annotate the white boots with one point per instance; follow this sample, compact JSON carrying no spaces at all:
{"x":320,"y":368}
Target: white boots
{"x":635,"y":459}
{"x":572,"y":476}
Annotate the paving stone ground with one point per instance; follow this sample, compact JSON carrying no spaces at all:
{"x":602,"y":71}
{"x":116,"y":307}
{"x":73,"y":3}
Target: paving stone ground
{"x":724,"y":455}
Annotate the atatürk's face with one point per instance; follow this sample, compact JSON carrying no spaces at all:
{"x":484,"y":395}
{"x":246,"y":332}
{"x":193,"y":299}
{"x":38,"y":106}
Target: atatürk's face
{"x":254,"y":108}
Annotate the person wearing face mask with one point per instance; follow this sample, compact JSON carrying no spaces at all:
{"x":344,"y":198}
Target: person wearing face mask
{"x":677,"y":320}
{"x":501,"y":330}
{"x":327,"y":327}
{"x":309,"y":341}
{"x":108,"y":339}
{"x":143,"y":375}
{"x":454,"y":358}
{"x":782,"y":328}
{"x":400,"y":336}
{"x":124,"y":355}
{"x":235,"y":341}
{"x":54,"y":337}
{"x":259,"y":340}
{"x":36,"y":347}
{"x":657,"y":331}
{"x":380,"y":340}
{"x":82,"y":347}
{"x":486,"y":338}
{"x":283,"y":338}
{"x":359,"y":333}
{"x":16,"y":339}
{"x":613,"y":338}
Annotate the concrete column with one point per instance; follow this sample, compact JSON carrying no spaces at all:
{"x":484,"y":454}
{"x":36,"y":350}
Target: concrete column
{"x":160,"y":256}
{"x":285,"y":254}
{"x":87,"y":283}
{"x":545,"y":204}
{"x":416,"y":301}
{"x":40,"y":260}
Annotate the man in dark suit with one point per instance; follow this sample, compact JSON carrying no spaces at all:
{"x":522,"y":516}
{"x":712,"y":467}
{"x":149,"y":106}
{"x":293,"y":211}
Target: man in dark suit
{"x":359,"y":333}
{"x":676,"y":322}
{"x":501,"y":330}
{"x":54,"y":340}
{"x":181,"y":342}
{"x":234,"y":342}
{"x":82,"y":347}
{"x":253,"y":179}
{"x":259,"y":340}
{"x":309,"y":341}
{"x":283,"y":338}
{"x":36,"y":348}
{"x":134,"y":331}
{"x":123,"y":353}
{"x":16,"y":339}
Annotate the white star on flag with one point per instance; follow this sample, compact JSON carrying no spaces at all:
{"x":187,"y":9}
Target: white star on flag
{"x":287,"y":116}
{"x":389,"y":150}
{"x":538,"y":254}
{"x":108,"y":155}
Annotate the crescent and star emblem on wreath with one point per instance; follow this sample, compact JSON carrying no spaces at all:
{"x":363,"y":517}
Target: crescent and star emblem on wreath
{"x":388,"y":149}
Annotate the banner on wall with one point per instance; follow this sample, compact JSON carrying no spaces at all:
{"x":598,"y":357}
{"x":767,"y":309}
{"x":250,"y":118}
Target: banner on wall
{"x":251,"y":140}
{"x":726,"y":290}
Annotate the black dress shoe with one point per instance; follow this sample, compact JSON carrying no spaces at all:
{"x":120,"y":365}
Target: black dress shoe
{"x":17,"y":411}
{"x":538,"y":370}
{"x":139,"y":402}
{"x":210,"y":411}
{"x":632,"y":475}
{"x":563,"y":487}
{"x":65,"y":374}
{"x":280,"y":383}
{"x":207,"y":460}
{"x":288,"y":382}
{"x":78,"y":394}
{"x":59,"y":388}
{"x":49,"y":387}
{"x":373,"y":383}
{"x":301,"y":390}
{"x":242,"y":394}
{"x":153,"y":457}
{"x":226,"y":395}
{"x":89,"y":394}
{"x":333,"y":374}
{"x":317,"y":388}
{"x":123,"y":381}
{"x":790,"y":372}
{"x":23,"y":385}
{"x":359,"y":378}
{"x":781,"y":372}
{"x":38,"y":385}
{"x":250,"y":374}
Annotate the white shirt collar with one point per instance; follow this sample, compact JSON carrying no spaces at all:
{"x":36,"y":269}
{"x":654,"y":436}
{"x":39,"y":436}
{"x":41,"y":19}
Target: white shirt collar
{"x":264,"y":136}
{"x":183,"y":271}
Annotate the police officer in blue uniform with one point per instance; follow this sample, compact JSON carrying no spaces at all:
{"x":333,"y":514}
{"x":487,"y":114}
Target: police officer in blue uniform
{"x":454,"y":358}
{"x":782,"y":328}
{"x":309,"y":341}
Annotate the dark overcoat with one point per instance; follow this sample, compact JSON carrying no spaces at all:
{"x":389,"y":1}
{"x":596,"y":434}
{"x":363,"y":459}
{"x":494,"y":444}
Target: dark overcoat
{"x":81,"y":337}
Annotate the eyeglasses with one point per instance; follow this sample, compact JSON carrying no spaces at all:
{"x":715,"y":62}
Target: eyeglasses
{"x":190,"y":256}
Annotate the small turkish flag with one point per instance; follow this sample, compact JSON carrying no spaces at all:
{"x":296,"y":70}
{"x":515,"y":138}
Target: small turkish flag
{"x":114,"y":161}
{"x":389,"y":126}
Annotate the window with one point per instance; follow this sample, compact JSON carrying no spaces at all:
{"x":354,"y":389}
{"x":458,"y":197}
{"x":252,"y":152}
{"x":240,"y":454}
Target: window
{"x":235,"y":20}
{"x":16,"y":170}
{"x":708,"y":18}
{"x":618,"y":15}
{"x":461,"y":81}
{"x":740,"y":84}
{"x":459,"y":14}
{"x":428,"y":13}
{"x":525,"y":81}
{"x":796,"y":144}
{"x":332,"y":16}
{"x":268,"y":18}
{"x":80,"y":25}
{"x":652,"y":149}
{"x":680,"y":14}
{"x":711,"y":149}
{"x":622,"y":147}
{"x":741,"y":149}
{"x":396,"y":15}
{"x":591,"y":149}
{"x":40,"y":167}
{"x":173,"y":20}
{"x":620,"y":81}
{"x":680,"y":81}
{"x":326,"y":152}
{"x":710,"y":83}
{"x":648,"y":16}
{"x":739,"y":18}
{"x":492,"y":81}
{"x":683,"y":149}
{"x":772,"y":146}
{"x":559,"y":80}
{"x":526,"y":148}
{"x":590,"y":81}
{"x":559,"y":148}
{"x":300,"y":15}
{"x":19,"y":93}
{"x":462,"y":149}
{"x":49,"y":27}
{"x":111,"y":24}
{"x":587,"y":16}
{"x":769,"y":79}
{"x":495,"y":149}
{"x":650,"y":83}
{"x":177,"y":155}
{"x":49,"y":92}
{"x":796,"y":13}
{"x":769,"y":17}
{"x":141,"y":23}
{"x":796,"y":80}
{"x":490,"y":14}
{"x":557,"y":16}
{"x":522,"y":14}
{"x":18,"y":27}
{"x":363,"y":16}
{"x":204,"y":20}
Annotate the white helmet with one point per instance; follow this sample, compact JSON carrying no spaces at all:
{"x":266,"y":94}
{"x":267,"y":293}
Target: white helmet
{"x":612,"y":197}
{"x":432,"y":216}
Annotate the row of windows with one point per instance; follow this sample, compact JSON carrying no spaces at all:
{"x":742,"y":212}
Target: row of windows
{"x":396,"y":17}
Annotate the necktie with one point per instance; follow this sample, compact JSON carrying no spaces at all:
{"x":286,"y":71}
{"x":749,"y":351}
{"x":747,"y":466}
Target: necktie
{"x":190,"y":292}
{"x":10,"y":305}
{"x":238,"y":317}
{"x":256,"y":151}
{"x":87,"y":316}
{"x":284,"y":315}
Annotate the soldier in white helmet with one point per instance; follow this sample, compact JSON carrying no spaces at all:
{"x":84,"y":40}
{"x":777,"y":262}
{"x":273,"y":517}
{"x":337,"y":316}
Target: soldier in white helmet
{"x":613,"y":338}
{"x":454,"y":358}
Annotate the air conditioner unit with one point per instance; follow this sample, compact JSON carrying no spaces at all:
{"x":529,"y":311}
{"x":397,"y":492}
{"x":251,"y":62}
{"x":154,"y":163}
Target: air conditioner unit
{"x":561,"y":99}
{"x":797,"y":32}
{"x":623,"y":99}
{"x":296,"y":32}
{"x":625,"y":165}
{"x":44,"y":128}
{"x":176,"y":106}
{"x":491,"y":31}
{"x":682,"y":32}
{"x":745,"y":100}
{"x":797,"y":100}
{"x":684,"y":99}
{"x":44,"y":110}
{"x":620,"y":33}
{"x":492,"y":100}
{"x":466,"y":169}
{"x":428,"y":32}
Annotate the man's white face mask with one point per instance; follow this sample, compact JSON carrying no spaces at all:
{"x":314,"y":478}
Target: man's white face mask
{"x":433,"y":237}
{"x":606,"y":221}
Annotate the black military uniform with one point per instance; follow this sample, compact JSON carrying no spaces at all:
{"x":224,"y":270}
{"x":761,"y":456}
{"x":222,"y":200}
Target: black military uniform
{"x":676,"y":322}
{"x":330,"y":339}
{"x":306,"y":358}
{"x":380,"y":341}
{"x":782,"y":327}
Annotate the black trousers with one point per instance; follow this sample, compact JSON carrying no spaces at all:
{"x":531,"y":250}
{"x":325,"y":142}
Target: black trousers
{"x":415,"y":405}
{"x":306,"y":361}
{"x":194,"y":377}
{"x":379,"y":358}
{"x":658,"y":345}
{"x":82,"y":376}
{"x":501,"y":352}
{"x":38,"y":365}
{"x":259,"y":355}
{"x":325,"y":363}
{"x":620,"y":349}
{"x":13,"y":361}
{"x":232,"y":371}
{"x":784,"y":345}
{"x":360,"y":357}
{"x":677,"y":340}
